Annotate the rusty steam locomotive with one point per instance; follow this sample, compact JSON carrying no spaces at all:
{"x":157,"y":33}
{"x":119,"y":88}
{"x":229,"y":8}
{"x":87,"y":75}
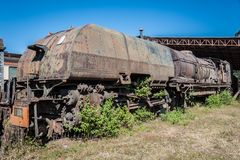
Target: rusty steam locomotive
{"x":60,"y":71}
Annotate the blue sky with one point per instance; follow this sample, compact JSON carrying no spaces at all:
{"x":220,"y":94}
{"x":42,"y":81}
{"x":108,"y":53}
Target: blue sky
{"x":22,"y":22}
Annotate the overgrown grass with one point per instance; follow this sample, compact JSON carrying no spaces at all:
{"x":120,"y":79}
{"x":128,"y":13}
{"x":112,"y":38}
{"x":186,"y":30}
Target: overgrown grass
{"x":21,"y":149}
{"x":183,"y":117}
{"x":203,"y":138}
{"x":147,"y":134}
{"x":108,"y":120}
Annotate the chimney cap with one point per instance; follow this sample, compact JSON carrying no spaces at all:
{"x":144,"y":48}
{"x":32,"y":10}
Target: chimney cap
{"x":141,"y":32}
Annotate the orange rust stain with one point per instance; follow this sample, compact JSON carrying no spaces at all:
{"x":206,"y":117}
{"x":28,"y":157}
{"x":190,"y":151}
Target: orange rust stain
{"x":21,"y":120}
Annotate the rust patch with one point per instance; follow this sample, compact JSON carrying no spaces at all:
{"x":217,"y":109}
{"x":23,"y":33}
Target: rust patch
{"x":20,"y":115}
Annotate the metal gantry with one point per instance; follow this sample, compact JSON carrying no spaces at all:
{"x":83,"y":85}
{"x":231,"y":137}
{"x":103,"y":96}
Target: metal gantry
{"x":224,"y":42}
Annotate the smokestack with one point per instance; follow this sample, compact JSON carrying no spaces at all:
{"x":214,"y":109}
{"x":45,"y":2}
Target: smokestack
{"x":141,"y":32}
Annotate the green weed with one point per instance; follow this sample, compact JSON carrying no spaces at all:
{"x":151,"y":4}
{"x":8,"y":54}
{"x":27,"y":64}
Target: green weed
{"x":178,"y":117}
{"x":159,"y":94}
{"x":143,"y":115}
{"x":143,"y":88}
{"x":217,"y":100}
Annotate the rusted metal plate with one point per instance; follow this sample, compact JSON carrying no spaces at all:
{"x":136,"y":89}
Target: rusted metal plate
{"x":20,"y":114}
{"x":95,"y":52}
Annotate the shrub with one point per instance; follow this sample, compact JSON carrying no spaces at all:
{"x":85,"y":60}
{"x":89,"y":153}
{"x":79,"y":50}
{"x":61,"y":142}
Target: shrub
{"x":226,"y":97}
{"x":178,"y":117}
{"x":143,"y":115}
{"x":223,"y":98}
{"x":106,"y":120}
{"x":102,"y":121}
{"x":213,"y":100}
{"x":143,"y":89}
{"x":125,"y":118}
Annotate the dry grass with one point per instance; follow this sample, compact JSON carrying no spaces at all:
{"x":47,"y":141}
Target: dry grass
{"x":213,"y":134}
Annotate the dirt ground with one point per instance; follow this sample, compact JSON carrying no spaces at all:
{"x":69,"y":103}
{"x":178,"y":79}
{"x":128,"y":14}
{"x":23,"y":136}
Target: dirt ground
{"x":213,"y":134}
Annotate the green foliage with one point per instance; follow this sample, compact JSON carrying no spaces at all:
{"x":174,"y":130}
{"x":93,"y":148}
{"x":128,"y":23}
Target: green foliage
{"x":213,"y":100}
{"x":103,"y":121}
{"x":217,"y":100}
{"x":178,"y":117}
{"x":226,"y":97}
{"x":159,"y":94}
{"x":106,"y":120}
{"x":125,"y":118}
{"x":143,"y":89}
{"x":143,"y":115}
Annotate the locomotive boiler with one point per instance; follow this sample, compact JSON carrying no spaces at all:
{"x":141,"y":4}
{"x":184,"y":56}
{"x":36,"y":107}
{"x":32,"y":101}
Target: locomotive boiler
{"x":61,"y":71}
